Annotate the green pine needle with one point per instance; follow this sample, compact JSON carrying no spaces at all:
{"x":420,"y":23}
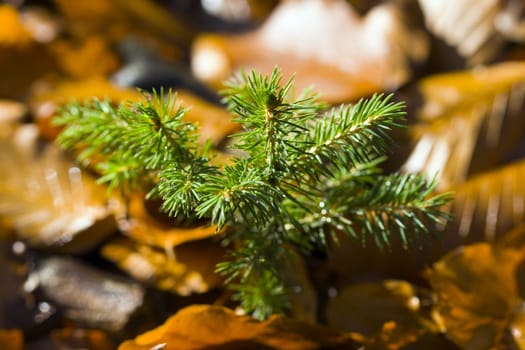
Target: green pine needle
{"x":308,"y":173}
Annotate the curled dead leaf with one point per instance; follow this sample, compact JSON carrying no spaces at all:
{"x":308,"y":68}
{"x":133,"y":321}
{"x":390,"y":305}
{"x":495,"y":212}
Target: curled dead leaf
{"x":320,"y":54}
{"x":205,"y":326}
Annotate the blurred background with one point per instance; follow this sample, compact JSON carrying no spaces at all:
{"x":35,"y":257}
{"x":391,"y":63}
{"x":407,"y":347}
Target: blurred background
{"x":79,"y":274}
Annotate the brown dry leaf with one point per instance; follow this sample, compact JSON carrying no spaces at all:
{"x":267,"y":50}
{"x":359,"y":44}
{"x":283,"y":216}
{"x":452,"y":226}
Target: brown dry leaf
{"x":11,"y":339}
{"x":214,"y":327}
{"x":147,"y":224}
{"x":13,"y":33}
{"x":488,"y":205}
{"x":469,"y":122}
{"x":386,"y":315}
{"x":344,"y":56}
{"x":476,"y":28}
{"x":48,"y":201}
{"x":477,"y":294}
{"x":189,"y":269}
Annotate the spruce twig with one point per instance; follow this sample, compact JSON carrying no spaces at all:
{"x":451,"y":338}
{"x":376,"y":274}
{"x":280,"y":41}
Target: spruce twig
{"x":307,"y":174}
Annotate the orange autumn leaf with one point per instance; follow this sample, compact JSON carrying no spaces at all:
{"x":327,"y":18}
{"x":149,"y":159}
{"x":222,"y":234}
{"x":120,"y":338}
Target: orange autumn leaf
{"x":214,"y":327}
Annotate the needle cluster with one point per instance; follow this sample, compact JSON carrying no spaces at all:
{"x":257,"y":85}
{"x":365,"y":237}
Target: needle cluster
{"x":306,"y":174}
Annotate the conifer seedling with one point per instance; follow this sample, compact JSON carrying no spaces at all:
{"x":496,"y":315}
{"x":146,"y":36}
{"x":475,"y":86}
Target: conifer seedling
{"x":305,"y":174}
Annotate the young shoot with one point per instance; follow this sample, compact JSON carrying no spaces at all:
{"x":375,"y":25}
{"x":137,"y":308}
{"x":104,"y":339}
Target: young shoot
{"x":306,"y":174}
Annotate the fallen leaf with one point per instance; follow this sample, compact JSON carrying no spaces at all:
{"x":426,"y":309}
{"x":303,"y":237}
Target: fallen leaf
{"x":207,"y":327}
{"x":376,"y":58}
